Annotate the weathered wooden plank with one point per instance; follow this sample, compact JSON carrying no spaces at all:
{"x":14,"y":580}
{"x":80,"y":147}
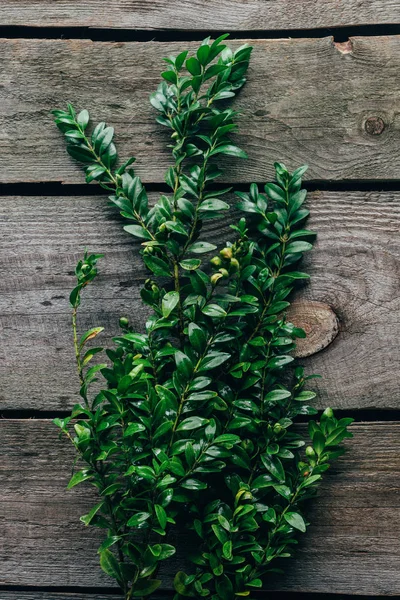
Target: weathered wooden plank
{"x":32,"y":595}
{"x":354,"y":269}
{"x":197,"y":15}
{"x":335,"y":107}
{"x":355,"y":521}
{"x":165,"y":595}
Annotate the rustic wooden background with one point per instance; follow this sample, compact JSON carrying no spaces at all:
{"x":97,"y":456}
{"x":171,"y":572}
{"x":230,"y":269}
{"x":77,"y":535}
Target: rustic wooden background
{"x":323,"y":88}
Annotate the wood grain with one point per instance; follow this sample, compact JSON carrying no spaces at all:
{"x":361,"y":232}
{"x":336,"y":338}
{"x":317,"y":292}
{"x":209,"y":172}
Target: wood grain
{"x":318,"y":321}
{"x":355,"y":520}
{"x":197,"y":15}
{"x":165,"y":595}
{"x":354,"y":270}
{"x":33,"y":595}
{"x":335,"y":107}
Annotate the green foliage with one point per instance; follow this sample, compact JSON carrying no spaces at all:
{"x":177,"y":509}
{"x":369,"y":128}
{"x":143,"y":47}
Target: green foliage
{"x":192,"y":426}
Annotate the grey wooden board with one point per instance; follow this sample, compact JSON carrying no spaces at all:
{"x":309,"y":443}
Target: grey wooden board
{"x":354,"y":269}
{"x":60,"y":596}
{"x":164,"y":595}
{"x":228,"y":15}
{"x":306,"y":101}
{"x":352,"y":546}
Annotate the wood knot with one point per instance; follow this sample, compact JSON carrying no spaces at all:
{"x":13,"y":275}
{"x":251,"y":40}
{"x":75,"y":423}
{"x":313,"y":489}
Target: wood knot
{"x":344,"y":47}
{"x":374,"y":125}
{"x":318,"y":321}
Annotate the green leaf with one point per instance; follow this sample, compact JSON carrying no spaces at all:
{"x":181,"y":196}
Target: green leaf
{"x":138,"y":231}
{"x":138,"y":519}
{"x":157,"y":265}
{"x":191,"y":423}
{"x":283,"y":490}
{"x":193,"y":66}
{"x":310,"y":480}
{"x":78,"y":477}
{"x":161,"y":515}
{"x":110,"y":565}
{"x":108,"y":542}
{"x":279,"y":361}
{"x":194,"y":484}
{"x":224,"y":588}
{"x":296,"y":247}
{"x":169,"y":302}
{"x":90,"y":335}
{"x":213,"y":310}
{"x":201,"y":247}
{"x":169,"y":76}
{"x":179,"y":584}
{"x":86,"y":519}
{"x":275,"y":192}
{"x":262,"y":481}
{"x":213,"y":204}
{"x":277,"y":395}
{"x":295,"y":520}
{"x":133,"y":428}
{"x":202,"y":54}
{"x":213,"y":360}
{"x":166,"y":551}
{"x":183,"y":364}
{"x":81,"y":153}
{"x":197,"y":337}
{"x":270,"y":515}
{"x":190,"y":264}
{"x":305,"y":396}
{"x":319,"y":442}
{"x":274,"y":466}
{"x":180,"y":59}
{"x":111,"y":489}
{"x":230,"y":150}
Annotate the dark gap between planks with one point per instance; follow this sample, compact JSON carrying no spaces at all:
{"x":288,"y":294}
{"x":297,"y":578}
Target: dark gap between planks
{"x":341,"y":34}
{"x":60,"y":189}
{"x":164,"y":595}
{"x":359,"y":416}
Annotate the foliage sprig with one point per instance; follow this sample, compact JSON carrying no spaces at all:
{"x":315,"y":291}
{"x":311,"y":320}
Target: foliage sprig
{"x":208,"y":388}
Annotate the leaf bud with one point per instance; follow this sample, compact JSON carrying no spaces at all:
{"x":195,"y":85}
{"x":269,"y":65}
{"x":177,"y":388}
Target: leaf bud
{"x":216,"y":261}
{"x":123,"y":322}
{"x":328,"y":413}
{"x":162,"y":227}
{"x":149,"y":283}
{"x":278,"y":428}
{"x":85,"y":268}
{"x":226,"y":253}
{"x":247,"y":496}
{"x":247,"y":445}
{"x":234,"y":266}
{"x":215,"y":278}
{"x":224,"y":272}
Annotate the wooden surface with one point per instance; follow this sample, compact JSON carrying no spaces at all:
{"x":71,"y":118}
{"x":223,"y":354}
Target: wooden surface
{"x":198,"y":15}
{"x":334,"y":107}
{"x":354,"y":272}
{"x":355,"y":521}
